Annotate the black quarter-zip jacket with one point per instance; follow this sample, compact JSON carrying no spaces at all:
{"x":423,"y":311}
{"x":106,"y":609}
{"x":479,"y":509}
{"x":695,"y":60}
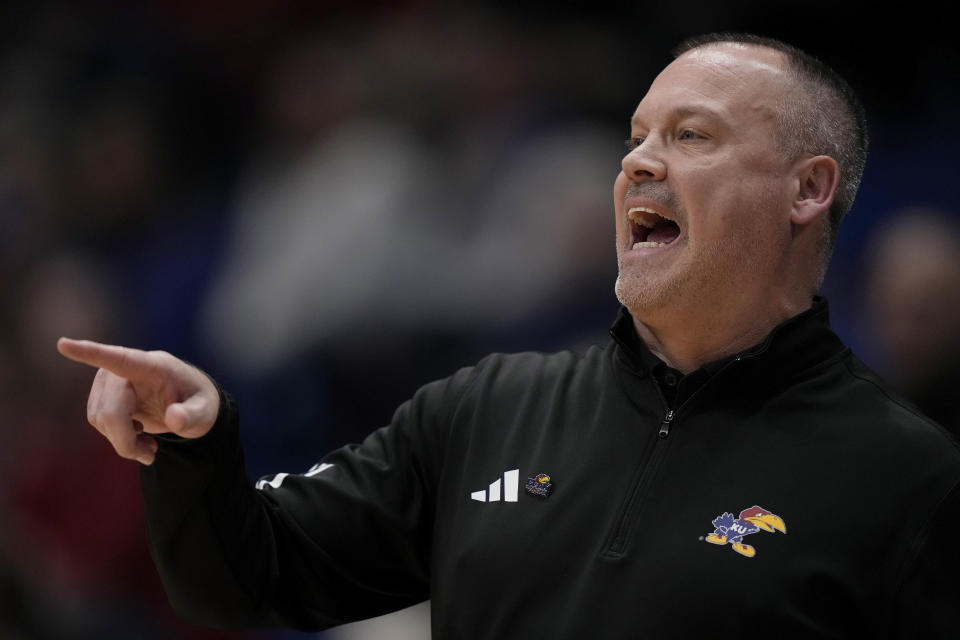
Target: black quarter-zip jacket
{"x":791,"y":495}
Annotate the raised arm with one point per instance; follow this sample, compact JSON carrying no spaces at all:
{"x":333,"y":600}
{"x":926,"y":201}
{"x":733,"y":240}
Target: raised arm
{"x":346,"y":540}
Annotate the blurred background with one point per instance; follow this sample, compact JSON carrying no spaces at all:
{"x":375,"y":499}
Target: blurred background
{"x":326,"y":205}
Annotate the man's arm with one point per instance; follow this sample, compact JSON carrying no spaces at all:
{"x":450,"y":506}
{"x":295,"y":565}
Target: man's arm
{"x":928,"y":601}
{"x":346,"y":540}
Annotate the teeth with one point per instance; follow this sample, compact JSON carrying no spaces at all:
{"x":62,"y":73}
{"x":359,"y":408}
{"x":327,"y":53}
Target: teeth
{"x":636,"y":215}
{"x":648,"y":243}
{"x":645,"y":217}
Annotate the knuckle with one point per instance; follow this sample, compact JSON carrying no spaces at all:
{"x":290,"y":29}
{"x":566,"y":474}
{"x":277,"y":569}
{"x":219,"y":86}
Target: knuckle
{"x":123,"y":439}
{"x":114,"y":384}
{"x":113,"y":417}
{"x":123,"y":449}
{"x":158,"y":360}
{"x":162,"y":359}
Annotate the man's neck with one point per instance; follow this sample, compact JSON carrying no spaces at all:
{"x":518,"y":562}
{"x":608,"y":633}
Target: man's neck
{"x":688,"y":341}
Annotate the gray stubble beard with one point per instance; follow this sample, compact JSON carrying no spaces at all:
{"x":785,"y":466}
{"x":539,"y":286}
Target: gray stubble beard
{"x":688,"y":288}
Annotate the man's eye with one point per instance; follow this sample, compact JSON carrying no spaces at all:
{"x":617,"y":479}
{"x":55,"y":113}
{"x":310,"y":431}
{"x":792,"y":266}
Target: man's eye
{"x":689,"y":134}
{"x":633,"y":143}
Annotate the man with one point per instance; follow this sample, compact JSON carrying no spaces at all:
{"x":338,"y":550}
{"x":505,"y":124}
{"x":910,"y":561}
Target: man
{"x":724,"y":465}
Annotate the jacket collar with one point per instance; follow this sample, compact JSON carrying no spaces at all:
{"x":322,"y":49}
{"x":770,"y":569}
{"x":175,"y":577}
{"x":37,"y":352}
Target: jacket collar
{"x":798,"y":344}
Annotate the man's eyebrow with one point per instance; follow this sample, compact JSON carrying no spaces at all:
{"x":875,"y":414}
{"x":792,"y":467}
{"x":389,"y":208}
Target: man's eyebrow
{"x":684,"y":111}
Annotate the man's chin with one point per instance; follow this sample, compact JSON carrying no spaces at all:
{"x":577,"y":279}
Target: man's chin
{"x":641,"y":297}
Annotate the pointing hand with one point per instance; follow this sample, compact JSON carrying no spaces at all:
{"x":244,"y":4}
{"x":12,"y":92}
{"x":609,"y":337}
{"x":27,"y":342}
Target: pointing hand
{"x":136,"y":393}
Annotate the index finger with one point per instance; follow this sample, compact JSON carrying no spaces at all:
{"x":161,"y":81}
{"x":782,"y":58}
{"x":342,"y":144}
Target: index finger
{"x":123,"y":361}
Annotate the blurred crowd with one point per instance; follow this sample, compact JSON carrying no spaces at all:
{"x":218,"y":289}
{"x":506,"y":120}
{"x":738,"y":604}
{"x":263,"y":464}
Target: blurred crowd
{"x":325,"y":211}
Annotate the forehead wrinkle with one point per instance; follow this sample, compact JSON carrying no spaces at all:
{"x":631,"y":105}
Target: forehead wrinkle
{"x":681,"y":111}
{"x":719,"y":81}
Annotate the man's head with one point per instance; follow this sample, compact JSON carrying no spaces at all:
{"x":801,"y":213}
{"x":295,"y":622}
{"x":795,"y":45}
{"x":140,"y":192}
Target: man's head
{"x":754,"y":151}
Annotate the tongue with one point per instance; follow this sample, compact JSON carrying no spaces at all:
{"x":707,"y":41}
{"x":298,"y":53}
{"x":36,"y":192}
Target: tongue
{"x":664,"y":232}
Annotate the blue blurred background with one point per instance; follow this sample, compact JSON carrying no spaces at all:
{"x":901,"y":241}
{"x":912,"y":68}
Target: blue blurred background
{"x":326,"y":205}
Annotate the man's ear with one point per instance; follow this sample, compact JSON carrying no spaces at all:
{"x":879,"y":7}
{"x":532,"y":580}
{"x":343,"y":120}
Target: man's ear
{"x":818,"y":177}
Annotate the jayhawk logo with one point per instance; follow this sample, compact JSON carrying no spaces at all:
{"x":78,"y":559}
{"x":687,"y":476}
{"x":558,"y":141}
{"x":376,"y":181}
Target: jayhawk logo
{"x":729,"y":530}
{"x":539,"y":485}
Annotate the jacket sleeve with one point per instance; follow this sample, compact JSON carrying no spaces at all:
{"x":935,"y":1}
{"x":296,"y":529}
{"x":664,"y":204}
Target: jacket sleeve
{"x":349,"y":539}
{"x":929,"y":602}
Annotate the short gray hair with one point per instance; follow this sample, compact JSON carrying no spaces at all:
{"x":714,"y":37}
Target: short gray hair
{"x":827,"y":119}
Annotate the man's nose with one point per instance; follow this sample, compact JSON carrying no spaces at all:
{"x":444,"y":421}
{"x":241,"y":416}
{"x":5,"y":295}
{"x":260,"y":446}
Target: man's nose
{"x":644,"y":163}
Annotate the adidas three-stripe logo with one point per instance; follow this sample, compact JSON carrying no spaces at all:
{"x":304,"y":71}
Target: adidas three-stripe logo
{"x":278,"y":479}
{"x":511,"y":483}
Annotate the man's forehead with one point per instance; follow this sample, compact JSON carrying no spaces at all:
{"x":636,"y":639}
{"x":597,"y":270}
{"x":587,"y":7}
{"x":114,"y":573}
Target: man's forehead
{"x":712,"y":78}
{"x":682,"y":110}
{"x":737,"y":58}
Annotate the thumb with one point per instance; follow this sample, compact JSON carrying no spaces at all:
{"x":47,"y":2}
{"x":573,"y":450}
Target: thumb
{"x":192,"y":417}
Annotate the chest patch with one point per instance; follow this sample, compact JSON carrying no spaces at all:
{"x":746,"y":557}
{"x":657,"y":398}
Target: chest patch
{"x":539,"y":485}
{"x":730,"y":530}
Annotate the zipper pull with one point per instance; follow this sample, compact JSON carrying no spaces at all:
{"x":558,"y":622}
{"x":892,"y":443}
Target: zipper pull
{"x":665,"y":425}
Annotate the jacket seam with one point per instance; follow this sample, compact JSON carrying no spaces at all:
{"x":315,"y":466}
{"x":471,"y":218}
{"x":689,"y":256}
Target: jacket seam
{"x":916,"y":548}
{"x":906,"y":407}
{"x":823,"y":364}
{"x":451,"y":411}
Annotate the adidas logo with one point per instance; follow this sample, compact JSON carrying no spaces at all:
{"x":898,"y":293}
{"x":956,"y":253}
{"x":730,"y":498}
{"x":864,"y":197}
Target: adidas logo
{"x":510,"y":486}
{"x":278,"y":479}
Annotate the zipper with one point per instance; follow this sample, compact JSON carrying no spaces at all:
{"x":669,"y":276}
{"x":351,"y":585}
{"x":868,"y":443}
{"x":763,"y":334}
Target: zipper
{"x":616,"y":544}
{"x":665,"y":425}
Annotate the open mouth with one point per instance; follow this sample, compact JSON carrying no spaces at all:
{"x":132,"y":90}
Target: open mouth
{"x":650,"y":229}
